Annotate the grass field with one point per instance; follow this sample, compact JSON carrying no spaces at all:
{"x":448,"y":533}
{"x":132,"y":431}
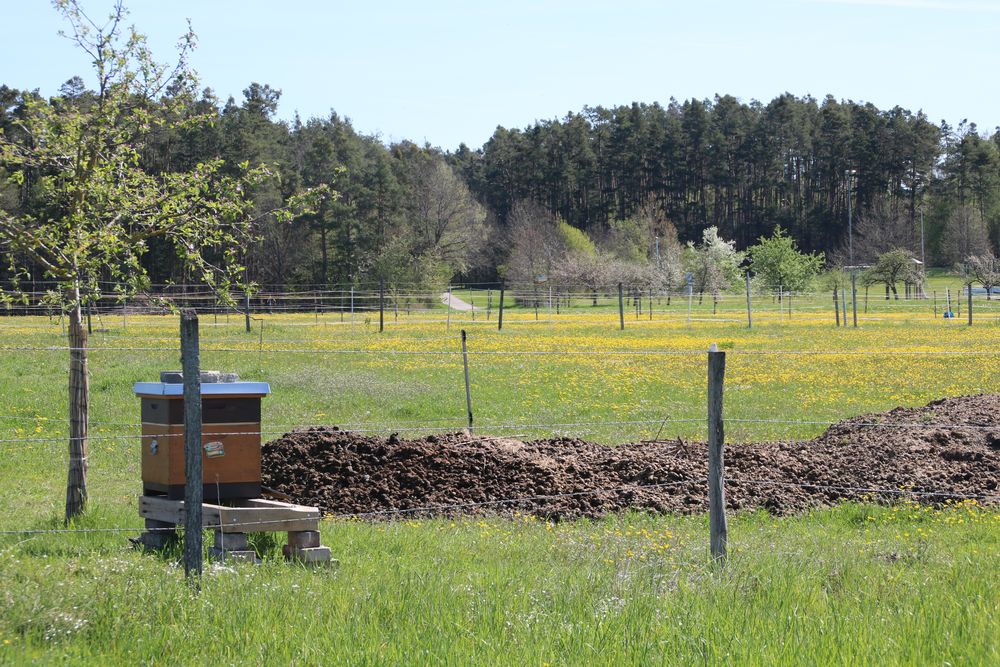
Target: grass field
{"x":856,"y":584}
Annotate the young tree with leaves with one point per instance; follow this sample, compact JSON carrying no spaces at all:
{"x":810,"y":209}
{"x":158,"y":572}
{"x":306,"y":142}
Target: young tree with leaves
{"x":91,"y":210}
{"x":892,"y":267}
{"x":777,"y":261}
{"x":714,"y":263}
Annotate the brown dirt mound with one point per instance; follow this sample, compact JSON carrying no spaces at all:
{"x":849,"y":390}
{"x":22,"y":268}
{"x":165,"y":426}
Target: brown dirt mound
{"x":348,"y":473}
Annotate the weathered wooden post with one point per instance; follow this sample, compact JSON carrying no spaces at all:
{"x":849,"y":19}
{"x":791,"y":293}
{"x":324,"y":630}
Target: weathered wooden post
{"x":621,"y":308}
{"x":500,"y":312}
{"x":969,"y":288}
{"x":749,"y":314}
{"x":854,"y":297}
{"x":79,"y":383}
{"x":193,"y":490}
{"x":448,"y":325}
{"x":468,"y":391}
{"x":381,"y":305}
{"x":716,"y":458}
{"x":690,"y":300}
{"x":843,"y":303}
{"x":246,"y":310}
{"x":489,"y":304}
{"x":836,"y":306}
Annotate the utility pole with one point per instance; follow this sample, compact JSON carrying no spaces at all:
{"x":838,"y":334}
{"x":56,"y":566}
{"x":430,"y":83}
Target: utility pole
{"x":850,"y":215}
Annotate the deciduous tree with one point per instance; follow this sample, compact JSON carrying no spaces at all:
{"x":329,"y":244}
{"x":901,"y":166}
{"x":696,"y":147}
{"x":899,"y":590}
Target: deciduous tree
{"x":776,"y":260}
{"x":94,"y":209}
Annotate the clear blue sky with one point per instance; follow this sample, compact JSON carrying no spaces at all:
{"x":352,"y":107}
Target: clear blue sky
{"x":450,"y":72}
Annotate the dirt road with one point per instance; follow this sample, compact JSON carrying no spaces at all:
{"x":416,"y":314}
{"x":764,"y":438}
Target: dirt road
{"x":456,"y":303}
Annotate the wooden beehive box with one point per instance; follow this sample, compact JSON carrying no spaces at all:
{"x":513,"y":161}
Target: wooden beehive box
{"x":231,"y":436}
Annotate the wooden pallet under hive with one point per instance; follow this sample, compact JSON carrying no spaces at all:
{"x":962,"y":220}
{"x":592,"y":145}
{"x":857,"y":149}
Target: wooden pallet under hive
{"x":232,"y":522}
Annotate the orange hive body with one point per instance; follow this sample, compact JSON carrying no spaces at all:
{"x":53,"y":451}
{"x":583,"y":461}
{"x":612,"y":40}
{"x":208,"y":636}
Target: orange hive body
{"x":230,"y":437}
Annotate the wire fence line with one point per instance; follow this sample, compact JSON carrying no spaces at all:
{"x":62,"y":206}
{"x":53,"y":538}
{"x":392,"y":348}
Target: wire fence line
{"x":429,"y":422}
{"x":882,"y":352}
{"x":445,"y":508}
{"x":161,"y":299}
{"x":458,"y":426}
{"x":442,"y":508}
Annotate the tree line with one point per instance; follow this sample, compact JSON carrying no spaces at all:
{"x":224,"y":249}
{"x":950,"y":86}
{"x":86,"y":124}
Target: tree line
{"x":617,"y":185}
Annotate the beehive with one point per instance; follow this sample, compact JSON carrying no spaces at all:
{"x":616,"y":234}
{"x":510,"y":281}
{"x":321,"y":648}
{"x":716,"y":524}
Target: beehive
{"x":231,"y":436}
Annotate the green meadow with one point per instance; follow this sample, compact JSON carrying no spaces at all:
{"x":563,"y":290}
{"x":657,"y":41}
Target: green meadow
{"x":856,"y":584}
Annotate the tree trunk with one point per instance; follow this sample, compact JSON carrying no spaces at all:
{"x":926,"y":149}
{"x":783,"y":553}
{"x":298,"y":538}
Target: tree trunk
{"x":79,"y":399}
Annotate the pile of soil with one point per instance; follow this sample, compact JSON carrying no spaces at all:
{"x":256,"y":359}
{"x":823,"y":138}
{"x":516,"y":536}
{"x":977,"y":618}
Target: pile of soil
{"x":949,"y":447}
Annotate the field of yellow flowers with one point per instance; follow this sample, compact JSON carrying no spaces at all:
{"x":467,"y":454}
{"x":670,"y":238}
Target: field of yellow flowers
{"x":902,"y":584}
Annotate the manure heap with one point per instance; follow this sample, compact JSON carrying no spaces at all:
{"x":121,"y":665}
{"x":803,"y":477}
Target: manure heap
{"x":950,"y":447}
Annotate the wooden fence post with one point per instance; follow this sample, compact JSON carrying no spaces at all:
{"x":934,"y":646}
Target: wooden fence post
{"x":749,"y":314}
{"x":969,"y":288}
{"x":690,"y":300}
{"x":381,"y":306}
{"x":500,"y":312}
{"x":489,"y":304}
{"x":621,"y":308}
{"x":448,"y":325}
{"x":79,"y":405}
{"x":193,"y":478}
{"x":468,"y":391}
{"x":246,"y":310}
{"x":843,"y":303}
{"x":854,"y":297}
{"x":836,"y":306}
{"x":716,"y":457}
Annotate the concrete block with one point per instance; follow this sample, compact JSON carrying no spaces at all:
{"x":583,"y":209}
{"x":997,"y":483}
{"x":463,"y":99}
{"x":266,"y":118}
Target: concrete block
{"x":225,"y":555}
{"x":231,"y":541}
{"x":315,"y":556}
{"x":303,"y":539}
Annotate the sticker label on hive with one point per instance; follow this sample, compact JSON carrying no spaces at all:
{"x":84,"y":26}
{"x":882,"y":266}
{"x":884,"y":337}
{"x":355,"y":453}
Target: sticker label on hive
{"x":214,"y":450}
{"x":154,"y":447}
